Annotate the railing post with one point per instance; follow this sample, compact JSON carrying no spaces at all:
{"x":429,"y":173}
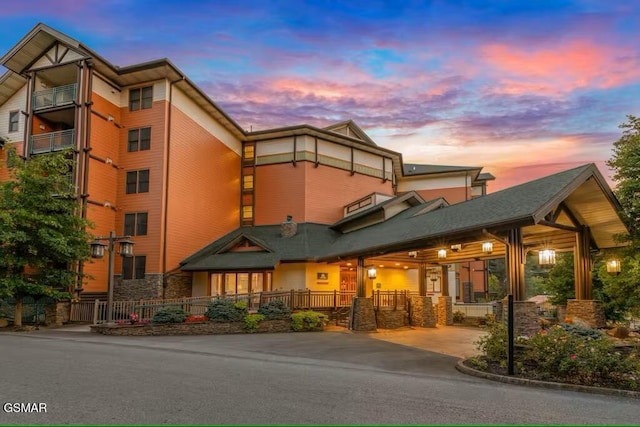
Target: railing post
{"x":95,"y":312}
{"x":395,"y":299}
{"x":291,"y":298}
{"x":335,"y":300}
{"x":309,"y":293}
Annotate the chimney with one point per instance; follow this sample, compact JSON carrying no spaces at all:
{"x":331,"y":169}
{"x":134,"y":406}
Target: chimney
{"x":288,"y":228}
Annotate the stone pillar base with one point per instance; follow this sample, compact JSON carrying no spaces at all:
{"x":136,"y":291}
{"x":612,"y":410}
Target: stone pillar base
{"x":591,"y":311}
{"x":526,"y":321}
{"x":422,"y":314}
{"x":363,"y":317}
{"x":445,"y":311}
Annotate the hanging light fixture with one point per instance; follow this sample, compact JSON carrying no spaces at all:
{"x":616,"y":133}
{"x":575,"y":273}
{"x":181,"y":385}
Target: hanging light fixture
{"x":614,"y":266}
{"x":372,"y":273}
{"x":547,"y":257}
{"x":442,"y":253}
{"x":434,"y":276}
{"x":487,"y":247}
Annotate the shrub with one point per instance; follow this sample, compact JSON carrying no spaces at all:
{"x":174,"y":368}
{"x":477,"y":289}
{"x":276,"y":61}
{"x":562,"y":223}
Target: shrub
{"x":494,"y":344}
{"x":561,"y":355}
{"x":252,"y":320}
{"x":581,"y":331}
{"x":306,"y":320}
{"x":226,"y":310}
{"x":275,"y":309}
{"x":458,"y":316}
{"x":169,"y":315}
{"x":196,"y":318}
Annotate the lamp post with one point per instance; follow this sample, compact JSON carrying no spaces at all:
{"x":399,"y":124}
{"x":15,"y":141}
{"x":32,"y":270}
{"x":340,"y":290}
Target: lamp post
{"x":97,"y":251}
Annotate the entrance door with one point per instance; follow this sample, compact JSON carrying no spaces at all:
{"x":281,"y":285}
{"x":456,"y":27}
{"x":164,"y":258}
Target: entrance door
{"x":347,"y":286}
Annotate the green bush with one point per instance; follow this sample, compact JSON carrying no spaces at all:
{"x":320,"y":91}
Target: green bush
{"x":494,"y":344}
{"x":560,"y":355}
{"x":226,"y":310}
{"x":458,"y":316}
{"x":275,"y":309}
{"x":306,"y":320}
{"x":252,"y":320}
{"x":581,"y":331}
{"x":169,"y":314}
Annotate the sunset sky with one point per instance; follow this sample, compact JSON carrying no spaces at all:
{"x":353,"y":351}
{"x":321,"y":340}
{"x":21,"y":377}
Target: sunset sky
{"x":522,"y":88}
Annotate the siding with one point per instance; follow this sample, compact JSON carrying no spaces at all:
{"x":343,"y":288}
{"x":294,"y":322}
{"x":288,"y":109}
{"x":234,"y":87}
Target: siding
{"x":17,"y":102}
{"x":151,"y":202}
{"x":204,"y":188}
{"x":452,"y":195}
{"x":279,"y":191}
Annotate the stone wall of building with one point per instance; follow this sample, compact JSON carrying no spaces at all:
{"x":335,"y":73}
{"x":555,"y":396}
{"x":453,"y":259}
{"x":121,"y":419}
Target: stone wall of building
{"x":177,"y":285}
{"x":148,"y":288}
{"x":422,"y":312}
{"x":526,"y":321}
{"x":391,"y":319}
{"x":591,"y":311}
{"x":445,"y":311}
{"x":363,"y":317}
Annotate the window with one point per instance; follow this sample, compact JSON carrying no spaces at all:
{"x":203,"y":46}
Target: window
{"x":135,"y":224}
{"x":240,"y":282}
{"x":247,"y":213}
{"x":249,"y":152}
{"x":134,"y":267}
{"x":14,"y":121}
{"x":139,"y":139}
{"x":138,"y":181}
{"x":141,"y":97}
{"x":247,"y":182}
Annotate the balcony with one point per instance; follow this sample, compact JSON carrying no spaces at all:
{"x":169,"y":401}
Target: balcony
{"x":54,"y":97}
{"x":52,"y":141}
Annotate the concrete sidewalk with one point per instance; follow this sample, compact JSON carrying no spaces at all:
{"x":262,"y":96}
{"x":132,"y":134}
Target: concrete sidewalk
{"x":455,"y":341}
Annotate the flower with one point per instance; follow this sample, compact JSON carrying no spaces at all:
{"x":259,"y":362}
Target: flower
{"x":573,"y":356}
{"x":133,"y":318}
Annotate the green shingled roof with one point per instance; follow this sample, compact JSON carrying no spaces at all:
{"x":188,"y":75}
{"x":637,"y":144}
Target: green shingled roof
{"x":517,"y":206}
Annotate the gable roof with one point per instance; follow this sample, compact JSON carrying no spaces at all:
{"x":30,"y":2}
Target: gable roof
{"x":582,"y":190}
{"x":42,"y":37}
{"x":414,"y":169}
{"x":310,"y":242}
{"x":351,"y":129}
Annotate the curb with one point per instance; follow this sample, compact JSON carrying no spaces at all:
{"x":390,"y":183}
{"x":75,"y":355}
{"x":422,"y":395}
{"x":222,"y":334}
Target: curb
{"x":545,"y":384}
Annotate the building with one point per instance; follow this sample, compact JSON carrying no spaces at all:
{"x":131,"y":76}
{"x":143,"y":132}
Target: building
{"x":215,"y":209}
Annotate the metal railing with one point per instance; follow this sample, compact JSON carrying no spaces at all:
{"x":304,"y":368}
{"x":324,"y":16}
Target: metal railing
{"x":295,"y":299}
{"x":55,"y":97}
{"x":475,"y":309}
{"x":52,"y":141}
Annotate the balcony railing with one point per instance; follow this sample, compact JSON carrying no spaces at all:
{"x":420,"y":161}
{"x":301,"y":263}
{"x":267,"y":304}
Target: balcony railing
{"x":54,"y":97}
{"x":52,"y":141}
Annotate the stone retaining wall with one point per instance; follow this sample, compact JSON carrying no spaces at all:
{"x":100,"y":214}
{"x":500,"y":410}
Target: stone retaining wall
{"x":392,"y":319}
{"x":591,"y":311}
{"x":364,"y":316}
{"x":191,"y":328}
{"x":57,"y":313}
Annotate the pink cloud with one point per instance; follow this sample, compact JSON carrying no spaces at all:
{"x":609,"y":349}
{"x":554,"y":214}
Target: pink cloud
{"x":574,"y":64}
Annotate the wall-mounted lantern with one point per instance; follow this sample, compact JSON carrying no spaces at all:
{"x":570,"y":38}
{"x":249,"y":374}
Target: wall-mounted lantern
{"x":614,"y":266}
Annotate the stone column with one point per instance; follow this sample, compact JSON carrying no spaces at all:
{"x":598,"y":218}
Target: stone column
{"x":591,"y":311}
{"x":422,"y":313}
{"x":363,"y":317}
{"x":444,"y":280}
{"x":525,"y":317}
{"x":445,"y":310}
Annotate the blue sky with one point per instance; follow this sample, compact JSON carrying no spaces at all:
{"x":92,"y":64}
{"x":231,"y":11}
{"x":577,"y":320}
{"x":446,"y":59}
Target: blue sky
{"x":523,"y":88}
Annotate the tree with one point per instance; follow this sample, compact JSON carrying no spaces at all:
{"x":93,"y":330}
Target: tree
{"x":560,"y":282}
{"x":41,"y":236}
{"x":624,"y":289}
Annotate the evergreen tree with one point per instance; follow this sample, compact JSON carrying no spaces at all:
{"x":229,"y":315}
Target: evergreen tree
{"x":42,"y":238}
{"x":624,"y":289}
